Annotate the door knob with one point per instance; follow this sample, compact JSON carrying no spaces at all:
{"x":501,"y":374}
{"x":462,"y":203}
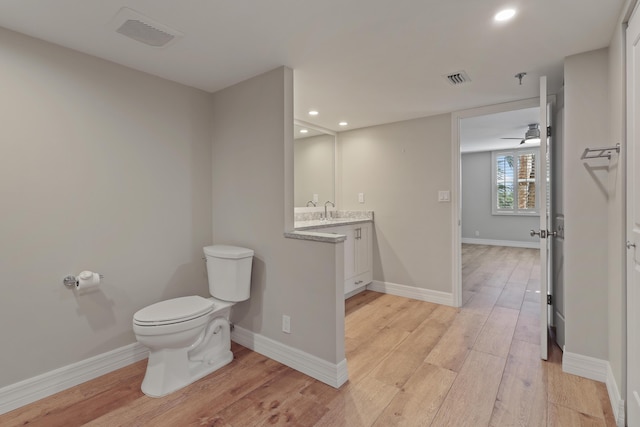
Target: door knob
{"x":630,"y":245}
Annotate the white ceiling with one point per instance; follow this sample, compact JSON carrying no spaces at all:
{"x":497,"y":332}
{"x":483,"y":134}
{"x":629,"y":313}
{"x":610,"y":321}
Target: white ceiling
{"x":364,"y":61}
{"x":485,"y":133}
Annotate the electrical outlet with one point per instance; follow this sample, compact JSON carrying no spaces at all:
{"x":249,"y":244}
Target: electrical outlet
{"x":315,"y":198}
{"x":360,"y":197}
{"x":286,"y":324}
{"x":477,"y":233}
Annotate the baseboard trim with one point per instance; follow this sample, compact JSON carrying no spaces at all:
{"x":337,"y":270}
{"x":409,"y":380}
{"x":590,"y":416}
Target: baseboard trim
{"x":30,"y":390}
{"x":509,"y":243}
{"x":598,"y":370}
{"x":585,"y":366}
{"x":617,"y":404}
{"x":437,"y":297}
{"x":355,"y":292}
{"x":332,"y":374}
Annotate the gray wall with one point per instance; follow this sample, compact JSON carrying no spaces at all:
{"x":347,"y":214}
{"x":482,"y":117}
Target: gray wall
{"x":400,"y":167}
{"x":476,"y":205}
{"x":252,"y":193}
{"x":101,"y":168}
{"x":586,"y":204}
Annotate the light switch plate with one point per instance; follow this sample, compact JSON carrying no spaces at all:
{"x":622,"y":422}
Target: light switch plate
{"x":315,"y":198}
{"x":360,"y":197}
{"x":444,"y":196}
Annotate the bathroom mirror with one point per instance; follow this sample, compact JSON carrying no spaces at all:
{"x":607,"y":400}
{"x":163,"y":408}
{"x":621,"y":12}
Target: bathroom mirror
{"x":314,"y":165}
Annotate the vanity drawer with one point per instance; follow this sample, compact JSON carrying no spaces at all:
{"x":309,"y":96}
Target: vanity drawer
{"x":358,"y":281}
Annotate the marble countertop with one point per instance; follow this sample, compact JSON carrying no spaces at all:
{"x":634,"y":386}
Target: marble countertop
{"x":309,"y":226}
{"x":315,"y":236}
{"x":325,"y":223}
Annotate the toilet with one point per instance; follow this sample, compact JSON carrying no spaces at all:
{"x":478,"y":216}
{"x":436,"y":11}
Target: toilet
{"x":189,"y":337}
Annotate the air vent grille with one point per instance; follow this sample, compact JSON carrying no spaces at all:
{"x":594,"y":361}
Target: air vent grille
{"x":144,"y":33}
{"x":138,"y":27}
{"x":458,"y":78}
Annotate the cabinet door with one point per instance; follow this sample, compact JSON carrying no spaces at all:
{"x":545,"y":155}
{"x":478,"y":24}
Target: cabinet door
{"x":350,"y":261}
{"x":363,"y":252}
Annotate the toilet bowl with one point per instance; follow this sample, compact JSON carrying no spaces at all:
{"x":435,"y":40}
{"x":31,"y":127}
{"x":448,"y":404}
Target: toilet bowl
{"x":189,"y":337}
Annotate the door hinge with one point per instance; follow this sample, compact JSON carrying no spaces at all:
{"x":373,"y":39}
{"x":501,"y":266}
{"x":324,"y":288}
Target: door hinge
{"x":548,"y":130}
{"x":549,"y":299}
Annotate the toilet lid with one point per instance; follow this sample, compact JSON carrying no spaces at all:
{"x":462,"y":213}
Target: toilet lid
{"x":173,"y":310}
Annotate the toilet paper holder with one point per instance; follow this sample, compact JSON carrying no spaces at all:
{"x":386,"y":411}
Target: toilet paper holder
{"x":71,"y":280}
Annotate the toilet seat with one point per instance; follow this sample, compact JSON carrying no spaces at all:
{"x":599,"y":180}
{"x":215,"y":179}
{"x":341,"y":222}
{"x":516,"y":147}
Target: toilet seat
{"x":176,"y":310}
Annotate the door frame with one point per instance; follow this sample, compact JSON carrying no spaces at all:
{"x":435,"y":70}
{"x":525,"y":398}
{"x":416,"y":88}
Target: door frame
{"x":456,"y":180}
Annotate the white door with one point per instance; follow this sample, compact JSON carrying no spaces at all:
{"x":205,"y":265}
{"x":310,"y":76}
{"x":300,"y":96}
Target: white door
{"x":557,"y":215}
{"x":545,"y":247}
{"x":633,"y":220}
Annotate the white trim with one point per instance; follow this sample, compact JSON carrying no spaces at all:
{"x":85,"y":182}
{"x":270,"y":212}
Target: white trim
{"x":598,"y":370}
{"x":354,"y":292}
{"x":28,"y":391}
{"x":617,"y":404}
{"x":585,"y":366}
{"x":510,"y":243}
{"x":329,"y":373}
{"x":421,"y":294}
{"x":456,"y":211}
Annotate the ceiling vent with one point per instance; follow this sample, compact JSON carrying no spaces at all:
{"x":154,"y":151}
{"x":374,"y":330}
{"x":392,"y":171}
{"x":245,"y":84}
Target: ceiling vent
{"x":143,"y":29}
{"x":458,"y":78}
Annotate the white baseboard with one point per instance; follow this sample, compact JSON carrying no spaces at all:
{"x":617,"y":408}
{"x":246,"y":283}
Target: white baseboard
{"x":510,"y":243}
{"x":28,"y":391}
{"x":355,"y":292}
{"x":598,"y":370}
{"x":437,"y":297}
{"x":332,"y":374}
{"x":617,"y":404}
{"x":585,"y":366}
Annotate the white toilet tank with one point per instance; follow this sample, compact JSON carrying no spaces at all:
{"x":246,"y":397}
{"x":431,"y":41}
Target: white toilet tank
{"x":229,"y":272}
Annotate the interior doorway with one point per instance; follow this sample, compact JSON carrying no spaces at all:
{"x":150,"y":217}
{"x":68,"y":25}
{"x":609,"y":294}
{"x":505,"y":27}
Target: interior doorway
{"x":496,"y":206}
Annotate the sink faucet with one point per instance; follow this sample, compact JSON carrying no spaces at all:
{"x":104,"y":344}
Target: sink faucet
{"x":325,"y":208}
{"x":312,"y":203}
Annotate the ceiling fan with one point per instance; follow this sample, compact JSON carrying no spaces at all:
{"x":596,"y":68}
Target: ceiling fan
{"x":532,"y":134}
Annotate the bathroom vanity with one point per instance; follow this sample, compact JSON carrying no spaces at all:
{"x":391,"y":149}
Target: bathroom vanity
{"x":358,"y":246}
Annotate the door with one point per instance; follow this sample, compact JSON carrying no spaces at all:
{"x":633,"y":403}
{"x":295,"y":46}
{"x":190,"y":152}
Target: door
{"x":545,"y":210}
{"x":363,"y":258}
{"x":557,"y":215}
{"x":633,"y":219}
{"x":544,"y":193}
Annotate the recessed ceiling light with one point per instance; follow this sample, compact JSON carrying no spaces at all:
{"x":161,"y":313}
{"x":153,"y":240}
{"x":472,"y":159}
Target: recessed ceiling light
{"x":343,"y":123}
{"x":313,"y":113}
{"x":304,"y":131}
{"x":505,"y":15}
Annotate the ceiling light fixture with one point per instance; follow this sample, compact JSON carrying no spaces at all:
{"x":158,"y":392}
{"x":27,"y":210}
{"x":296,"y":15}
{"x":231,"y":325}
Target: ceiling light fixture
{"x":313,"y":113}
{"x":532,"y":136}
{"x":504,"y":15}
{"x":304,"y":131}
{"x":343,"y":123}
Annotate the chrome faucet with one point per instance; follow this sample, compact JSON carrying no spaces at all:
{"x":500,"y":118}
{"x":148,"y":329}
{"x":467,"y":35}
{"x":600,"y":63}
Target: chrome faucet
{"x":312,"y":203}
{"x":325,"y":208}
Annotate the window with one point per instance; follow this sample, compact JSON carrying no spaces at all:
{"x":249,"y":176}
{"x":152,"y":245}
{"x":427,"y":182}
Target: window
{"x":515,"y":179}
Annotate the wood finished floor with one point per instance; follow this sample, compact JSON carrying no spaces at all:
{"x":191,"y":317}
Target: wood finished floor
{"x":411,"y":363}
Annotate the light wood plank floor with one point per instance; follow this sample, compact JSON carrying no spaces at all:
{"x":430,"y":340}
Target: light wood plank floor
{"x":411,"y":363}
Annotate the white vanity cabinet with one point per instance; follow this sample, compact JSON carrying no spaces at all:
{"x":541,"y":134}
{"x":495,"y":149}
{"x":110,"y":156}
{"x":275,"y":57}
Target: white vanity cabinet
{"x":358,"y":252}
